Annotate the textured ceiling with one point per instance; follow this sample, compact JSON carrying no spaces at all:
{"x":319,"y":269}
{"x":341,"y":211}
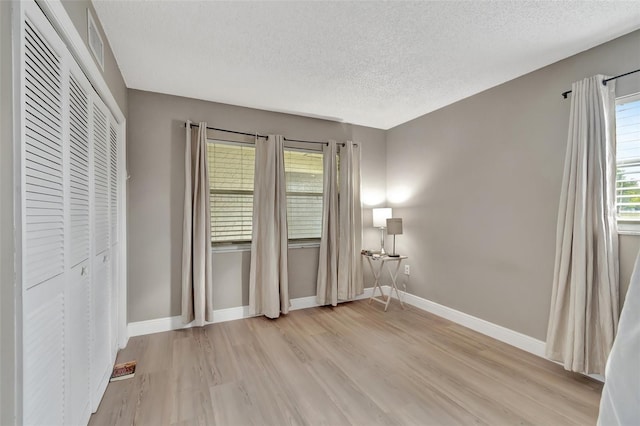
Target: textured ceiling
{"x":376,"y":64}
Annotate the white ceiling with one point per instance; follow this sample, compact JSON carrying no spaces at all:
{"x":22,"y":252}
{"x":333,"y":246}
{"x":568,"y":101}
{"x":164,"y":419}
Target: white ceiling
{"x":376,"y":64}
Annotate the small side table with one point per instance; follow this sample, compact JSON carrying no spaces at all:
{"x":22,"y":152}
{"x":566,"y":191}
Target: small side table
{"x":393,"y":273}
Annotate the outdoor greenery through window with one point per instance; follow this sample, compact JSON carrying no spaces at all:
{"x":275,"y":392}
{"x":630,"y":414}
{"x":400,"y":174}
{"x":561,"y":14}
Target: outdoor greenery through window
{"x":628,"y":158}
{"x":231,"y":172}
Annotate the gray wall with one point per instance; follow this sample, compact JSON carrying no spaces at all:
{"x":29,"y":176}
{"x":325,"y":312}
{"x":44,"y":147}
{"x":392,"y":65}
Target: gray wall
{"x":156,"y":165}
{"x":484,"y":176}
{"x":7,"y":294}
{"x":77,"y":11}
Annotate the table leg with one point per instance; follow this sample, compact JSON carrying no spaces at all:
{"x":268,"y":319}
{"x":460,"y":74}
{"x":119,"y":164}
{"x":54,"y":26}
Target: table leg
{"x":394,"y":277}
{"x":376,"y":276}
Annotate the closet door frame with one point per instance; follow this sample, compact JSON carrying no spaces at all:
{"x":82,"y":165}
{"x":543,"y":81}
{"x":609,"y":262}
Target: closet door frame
{"x":55,"y":12}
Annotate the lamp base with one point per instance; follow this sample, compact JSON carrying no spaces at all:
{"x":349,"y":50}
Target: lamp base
{"x":393,"y":255}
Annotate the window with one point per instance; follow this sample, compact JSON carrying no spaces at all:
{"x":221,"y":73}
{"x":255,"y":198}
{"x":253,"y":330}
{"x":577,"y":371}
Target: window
{"x":231,"y":172}
{"x":231,"y":191}
{"x":304,"y":194}
{"x":628,"y":158}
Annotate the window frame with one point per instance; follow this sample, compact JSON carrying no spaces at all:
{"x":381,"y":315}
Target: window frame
{"x":626,"y":226}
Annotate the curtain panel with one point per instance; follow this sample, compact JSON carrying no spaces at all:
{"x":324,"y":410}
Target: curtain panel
{"x":327,"y":284}
{"x":620,"y":402}
{"x":197,"y":287}
{"x":268,"y":277}
{"x":350,"y":282}
{"x":584,"y":304}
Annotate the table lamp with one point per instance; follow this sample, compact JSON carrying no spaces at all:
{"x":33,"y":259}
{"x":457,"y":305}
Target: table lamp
{"x":380,"y":216}
{"x":394,"y":227}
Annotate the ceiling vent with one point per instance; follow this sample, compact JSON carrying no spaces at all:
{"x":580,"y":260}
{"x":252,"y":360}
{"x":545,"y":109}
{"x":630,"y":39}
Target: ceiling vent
{"x":95,"y":40}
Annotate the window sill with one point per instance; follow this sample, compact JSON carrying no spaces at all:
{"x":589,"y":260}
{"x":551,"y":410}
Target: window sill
{"x":628,"y":228}
{"x":231,"y":248}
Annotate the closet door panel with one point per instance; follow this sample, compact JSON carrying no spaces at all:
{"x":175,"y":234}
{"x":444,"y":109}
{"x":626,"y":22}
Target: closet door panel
{"x":44,"y":348}
{"x":43,"y":193}
{"x":113,"y":182}
{"x":79,"y":183}
{"x":79,"y":278}
{"x":43,"y":259}
{"x":101,"y":291}
{"x":101,"y":330}
{"x":101,"y":176}
{"x":79,"y":344}
{"x":113,"y":279}
{"x":113,"y":231}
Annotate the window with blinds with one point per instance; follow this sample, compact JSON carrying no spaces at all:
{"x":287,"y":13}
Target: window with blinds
{"x":231,"y":191}
{"x":231,"y":172}
{"x":628,"y":158}
{"x":304,"y":194}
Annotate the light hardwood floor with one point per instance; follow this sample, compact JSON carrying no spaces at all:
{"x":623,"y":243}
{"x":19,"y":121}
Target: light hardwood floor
{"x":353,"y":364}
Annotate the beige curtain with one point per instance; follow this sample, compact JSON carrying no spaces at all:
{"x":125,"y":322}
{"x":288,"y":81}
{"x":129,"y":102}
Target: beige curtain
{"x":197,"y":287}
{"x":268,"y":277}
{"x":327,"y":284}
{"x":584,"y":304}
{"x":350,"y":283}
{"x":620,"y":402}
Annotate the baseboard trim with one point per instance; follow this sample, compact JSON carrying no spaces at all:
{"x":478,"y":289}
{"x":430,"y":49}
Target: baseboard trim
{"x":506,"y":335}
{"x":498,"y":332}
{"x":140,"y":328}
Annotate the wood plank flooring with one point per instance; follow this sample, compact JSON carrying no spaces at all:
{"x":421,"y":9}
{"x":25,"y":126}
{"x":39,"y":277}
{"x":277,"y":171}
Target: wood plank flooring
{"x":353,"y":364}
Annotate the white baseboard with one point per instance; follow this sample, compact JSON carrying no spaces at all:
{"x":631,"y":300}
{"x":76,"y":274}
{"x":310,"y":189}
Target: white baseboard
{"x":159,"y":325}
{"x":506,"y":335}
{"x":503,"y":334}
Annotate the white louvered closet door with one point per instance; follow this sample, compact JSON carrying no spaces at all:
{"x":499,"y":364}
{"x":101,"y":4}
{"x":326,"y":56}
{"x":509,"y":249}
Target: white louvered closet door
{"x":101,"y":291}
{"x":45,"y":378}
{"x":79,"y":282}
{"x":114,"y":206}
{"x":65,"y":200}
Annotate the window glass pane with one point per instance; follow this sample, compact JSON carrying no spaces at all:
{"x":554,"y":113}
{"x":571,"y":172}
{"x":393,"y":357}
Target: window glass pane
{"x":628,"y":158}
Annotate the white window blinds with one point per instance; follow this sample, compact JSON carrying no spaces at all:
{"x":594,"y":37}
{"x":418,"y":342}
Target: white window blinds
{"x":231,"y":191}
{"x":628,"y":157}
{"x":304,"y":194}
{"x":231,"y":172}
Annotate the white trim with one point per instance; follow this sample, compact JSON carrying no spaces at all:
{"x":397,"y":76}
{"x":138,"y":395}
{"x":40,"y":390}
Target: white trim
{"x":230,"y":248}
{"x":506,"y":335}
{"x":17,"y":51}
{"x":311,"y":302}
{"x":498,"y":332}
{"x":159,"y":325}
{"x":503,"y":334}
{"x":628,"y":227}
{"x":233,"y":248}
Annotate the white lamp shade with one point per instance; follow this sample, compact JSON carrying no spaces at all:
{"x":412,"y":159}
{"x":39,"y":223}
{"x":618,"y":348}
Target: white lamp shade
{"x":380,"y":217}
{"x":394,"y":226}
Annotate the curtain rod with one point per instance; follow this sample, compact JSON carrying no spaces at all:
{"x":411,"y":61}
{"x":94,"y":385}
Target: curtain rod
{"x":604,"y":82}
{"x":229,"y":131}
{"x":260,"y":136}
